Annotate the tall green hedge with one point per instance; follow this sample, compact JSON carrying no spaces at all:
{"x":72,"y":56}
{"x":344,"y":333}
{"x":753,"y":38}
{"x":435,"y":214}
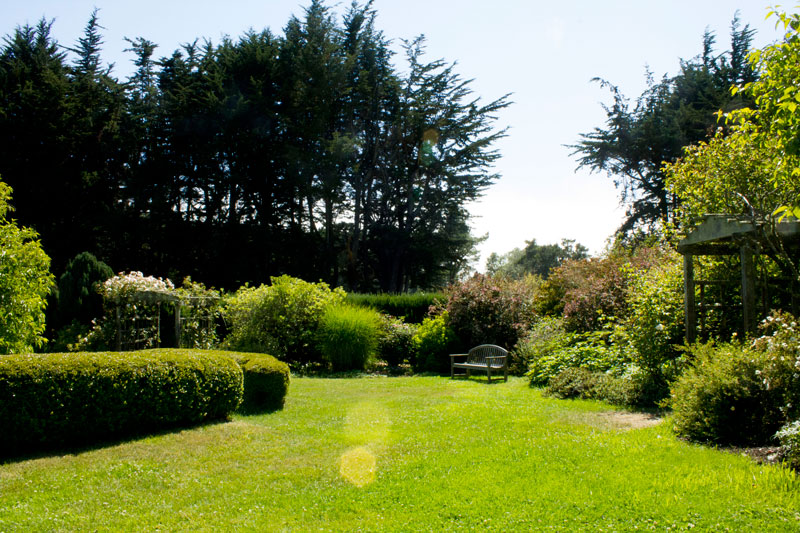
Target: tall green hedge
{"x":75,"y":398}
{"x":412,"y":306}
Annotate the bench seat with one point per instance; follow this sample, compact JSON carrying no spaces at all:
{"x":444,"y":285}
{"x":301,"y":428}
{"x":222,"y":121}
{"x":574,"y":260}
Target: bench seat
{"x":488,"y":357}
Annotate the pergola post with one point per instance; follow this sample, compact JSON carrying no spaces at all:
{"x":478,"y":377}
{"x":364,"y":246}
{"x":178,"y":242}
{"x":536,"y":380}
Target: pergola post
{"x":177,"y":306}
{"x":690,"y":307}
{"x":748,"y":290}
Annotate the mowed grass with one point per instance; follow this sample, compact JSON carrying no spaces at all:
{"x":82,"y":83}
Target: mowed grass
{"x":403,"y":454}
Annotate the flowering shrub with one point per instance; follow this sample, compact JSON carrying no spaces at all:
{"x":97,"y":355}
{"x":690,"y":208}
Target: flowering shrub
{"x":122,"y":286}
{"x":780,"y":371}
{"x":742,"y":394}
{"x":490,"y":309}
{"x":789,"y":437}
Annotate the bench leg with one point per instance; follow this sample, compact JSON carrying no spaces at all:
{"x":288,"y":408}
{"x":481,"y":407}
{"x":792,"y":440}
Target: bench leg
{"x":452,"y":373}
{"x":489,"y":373}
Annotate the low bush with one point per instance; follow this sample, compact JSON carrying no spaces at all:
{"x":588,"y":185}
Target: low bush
{"x":280,"y":319}
{"x":789,"y":437}
{"x":266,"y":381}
{"x":574,"y":383}
{"x":631,"y":389}
{"x":411,"y":307}
{"x":348,"y":337}
{"x":57,"y":399}
{"x":395,"y":343}
{"x":722,"y":398}
{"x":736,"y":394}
{"x":550,"y":350}
{"x":433,"y":343}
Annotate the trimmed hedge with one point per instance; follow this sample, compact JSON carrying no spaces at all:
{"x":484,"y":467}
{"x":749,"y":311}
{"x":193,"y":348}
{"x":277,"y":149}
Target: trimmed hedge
{"x":78,"y":398}
{"x":266,"y":381}
{"x":412,"y":306}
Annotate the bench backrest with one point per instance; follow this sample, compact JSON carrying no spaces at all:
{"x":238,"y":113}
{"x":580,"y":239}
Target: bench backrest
{"x":479,"y":354}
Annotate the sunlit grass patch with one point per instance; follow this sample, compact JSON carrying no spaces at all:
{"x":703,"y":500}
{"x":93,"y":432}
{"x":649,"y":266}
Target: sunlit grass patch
{"x":404,"y":454}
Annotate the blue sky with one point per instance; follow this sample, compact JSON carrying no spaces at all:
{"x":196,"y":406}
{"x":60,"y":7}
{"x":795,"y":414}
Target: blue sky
{"x":545,"y":53}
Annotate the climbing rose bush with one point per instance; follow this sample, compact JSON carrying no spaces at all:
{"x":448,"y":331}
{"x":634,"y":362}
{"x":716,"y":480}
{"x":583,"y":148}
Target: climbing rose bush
{"x":123,"y":285}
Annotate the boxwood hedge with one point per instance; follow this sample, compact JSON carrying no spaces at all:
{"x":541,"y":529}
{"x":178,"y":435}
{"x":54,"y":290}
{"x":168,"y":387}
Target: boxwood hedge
{"x":63,"y":399}
{"x":266,"y":381}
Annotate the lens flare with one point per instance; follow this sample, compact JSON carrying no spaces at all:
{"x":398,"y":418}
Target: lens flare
{"x":358,"y":466}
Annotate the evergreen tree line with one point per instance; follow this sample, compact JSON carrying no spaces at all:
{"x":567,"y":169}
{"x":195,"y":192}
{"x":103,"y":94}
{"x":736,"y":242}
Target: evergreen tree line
{"x":308,"y":153}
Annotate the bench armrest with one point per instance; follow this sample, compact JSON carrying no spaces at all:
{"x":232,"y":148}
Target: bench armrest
{"x":458,"y":355}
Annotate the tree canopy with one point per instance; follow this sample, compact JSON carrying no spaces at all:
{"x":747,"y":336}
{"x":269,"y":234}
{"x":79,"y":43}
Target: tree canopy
{"x":636,"y":140}
{"x":25,"y":282}
{"x":751,"y":168}
{"x":306,"y":153}
{"x":538,"y":259}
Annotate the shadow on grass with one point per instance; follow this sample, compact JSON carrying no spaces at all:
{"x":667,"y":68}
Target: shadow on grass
{"x":44,"y":450}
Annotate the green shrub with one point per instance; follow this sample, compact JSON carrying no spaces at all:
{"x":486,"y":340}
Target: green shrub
{"x":741,"y":395}
{"x":266,"y":381}
{"x":25,"y":283}
{"x":348,"y":337}
{"x":630,"y":390}
{"x":655,"y":324}
{"x":723,"y":398}
{"x":56,"y":399}
{"x":395,"y":344}
{"x":573,"y":383}
{"x":491,"y":309}
{"x":433,"y":343}
{"x":280,"y":319}
{"x":411,"y":307}
{"x":549,"y":350}
{"x":546,"y":336}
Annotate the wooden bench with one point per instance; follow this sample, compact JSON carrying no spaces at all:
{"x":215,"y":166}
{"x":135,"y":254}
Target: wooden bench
{"x":486,"y":357}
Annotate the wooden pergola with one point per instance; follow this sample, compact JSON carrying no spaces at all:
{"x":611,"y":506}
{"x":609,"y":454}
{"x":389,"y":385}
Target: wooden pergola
{"x":731,"y":235}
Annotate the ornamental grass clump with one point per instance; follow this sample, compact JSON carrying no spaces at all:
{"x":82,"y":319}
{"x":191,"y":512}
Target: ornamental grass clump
{"x":348,"y":337}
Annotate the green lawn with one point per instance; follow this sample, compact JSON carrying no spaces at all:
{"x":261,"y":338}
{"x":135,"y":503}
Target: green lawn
{"x":405,"y":454}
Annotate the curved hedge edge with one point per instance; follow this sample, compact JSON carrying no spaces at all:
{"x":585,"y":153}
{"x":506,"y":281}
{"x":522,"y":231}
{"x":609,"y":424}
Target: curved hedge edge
{"x":266,"y":381}
{"x":65,"y":399}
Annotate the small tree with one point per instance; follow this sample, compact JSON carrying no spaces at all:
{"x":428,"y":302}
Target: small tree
{"x":25,"y":282}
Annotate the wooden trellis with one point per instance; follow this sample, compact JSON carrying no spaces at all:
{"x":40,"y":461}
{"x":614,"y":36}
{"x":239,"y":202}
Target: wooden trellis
{"x":731,"y":235}
{"x":141,"y":328}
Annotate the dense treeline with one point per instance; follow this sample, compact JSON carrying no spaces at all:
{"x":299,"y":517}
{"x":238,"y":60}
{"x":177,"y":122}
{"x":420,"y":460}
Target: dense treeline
{"x":306,"y":153}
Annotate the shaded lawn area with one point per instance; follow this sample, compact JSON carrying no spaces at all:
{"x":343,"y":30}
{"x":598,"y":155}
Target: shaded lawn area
{"x":406,"y":454}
